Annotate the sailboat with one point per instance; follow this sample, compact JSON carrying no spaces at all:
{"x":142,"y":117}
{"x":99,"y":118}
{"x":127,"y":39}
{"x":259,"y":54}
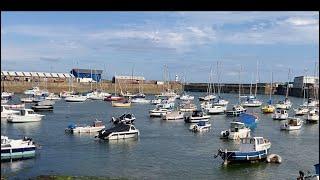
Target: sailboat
{"x":302,"y":110}
{"x":252,"y":101}
{"x":114,"y":97}
{"x":219,"y":101}
{"x":168,"y":92}
{"x":269,"y":108}
{"x":185,"y":96}
{"x":237,"y":109}
{"x":209,"y":95}
{"x":286,"y":103}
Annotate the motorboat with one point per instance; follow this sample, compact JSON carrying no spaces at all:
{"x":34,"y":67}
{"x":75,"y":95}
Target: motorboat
{"x":285,"y":104}
{"x":236,"y":110}
{"x":36,"y":92}
{"x":114,"y":98}
{"x":140,"y":100}
{"x":237,"y":131}
{"x":216,"y":109}
{"x":65,"y":94}
{"x":45,"y":105}
{"x":251,"y":149}
{"x":220,"y":102}
{"x":119,"y":131}
{"x":6,"y":94}
{"x":301,"y":111}
{"x":121,"y":104}
{"x":207,"y":97}
{"x":15,"y":106}
{"x":292,"y":123}
{"x":158,"y":112}
{"x":186,"y":97}
{"x":27,"y":100}
{"x":268,"y":109}
{"x":52,"y":96}
{"x":206,"y":104}
{"x":127,"y":94}
{"x":125,"y":118}
{"x":280,"y":114}
{"x":5,"y":111}
{"x":17,"y":149}
{"x":139,"y":95}
{"x":310,"y":103}
{"x":188,"y":107}
{"x":174,"y":115}
{"x":38,"y":99}
{"x":98,"y":95}
{"x":200,"y":126}
{"x":156,"y":101}
{"x":196,"y":116}
{"x":76,"y":98}
{"x":313,"y":115}
{"x":95,"y":127}
{"x":165,"y":104}
{"x":252,"y":102}
{"x":4,"y":101}
{"x":25,"y":115}
{"x":168,"y":93}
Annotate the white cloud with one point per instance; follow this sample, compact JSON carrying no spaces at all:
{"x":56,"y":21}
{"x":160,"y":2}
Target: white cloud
{"x":298,"y":21}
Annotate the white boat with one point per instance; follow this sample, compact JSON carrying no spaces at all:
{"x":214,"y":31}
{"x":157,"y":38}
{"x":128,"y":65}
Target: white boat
{"x":252,"y":102}
{"x":45,"y":105}
{"x":120,"y":131}
{"x":313,"y":115}
{"x":36,"y":91}
{"x":125,"y":118}
{"x":158,"y":112}
{"x":285,"y":104}
{"x":6,"y":94}
{"x":123,"y":104}
{"x":174,"y":115}
{"x":156,"y":101}
{"x":220,"y":102}
{"x":207,"y":97}
{"x":25,"y":115}
{"x":65,"y":94}
{"x":98,"y":95}
{"x":216,"y":109}
{"x":186,"y":97}
{"x":301,"y":111}
{"x":237,"y":130}
{"x":27,"y":100}
{"x":4,"y":101}
{"x":5,"y":111}
{"x":95,"y":127}
{"x":76,"y":98}
{"x":280,"y":114}
{"x":188,"y":107}
{"x":200,"y":126}
{"x":196,"y":117}
{"x":236,"y":110}
{"x":168,"y":93}
{"x":291,"y":124}
{"x":17,"y":149}
{"x":206,"y":104}
{"x":15,"y":106}
{"x":140,"y":100}
{"x":52,"y":96}
{"x":310,"y":103}
{"x":166,"y":104}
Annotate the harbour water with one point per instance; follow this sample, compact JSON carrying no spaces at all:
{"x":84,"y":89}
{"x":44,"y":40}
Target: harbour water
{"x":164,"y":150}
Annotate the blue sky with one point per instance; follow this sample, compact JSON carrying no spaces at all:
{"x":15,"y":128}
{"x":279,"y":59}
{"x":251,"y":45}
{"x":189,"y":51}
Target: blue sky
{"x":189,"y":43}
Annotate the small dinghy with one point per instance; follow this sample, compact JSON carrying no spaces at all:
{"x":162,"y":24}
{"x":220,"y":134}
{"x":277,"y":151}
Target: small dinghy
{"x":292,"y":124}
{"x":121,"y":104}
{"x":125,"y":118}
{"x":200,"y":126}
{"x":274,"y":158}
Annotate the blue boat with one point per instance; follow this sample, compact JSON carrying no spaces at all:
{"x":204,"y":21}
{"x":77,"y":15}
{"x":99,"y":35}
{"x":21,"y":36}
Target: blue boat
{"x":251,"y":150}
{"x":249,"y":120}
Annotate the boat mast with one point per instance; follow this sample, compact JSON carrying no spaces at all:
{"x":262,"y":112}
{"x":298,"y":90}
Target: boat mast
{"x":115,"y":83}
{"x":218,"y":78}
{"x":271,"y":86}
{"x":251,"y":84}
{"x":256,"y":89}
{"x":315,"y":83}
{"x":288,"y":84}
{"x":239,"y":84}
{"x":303,"y":86}
{"x":91,"y":79}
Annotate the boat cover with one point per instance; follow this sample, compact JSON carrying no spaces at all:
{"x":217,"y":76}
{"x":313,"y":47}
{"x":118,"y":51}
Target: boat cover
{"x":118,"y":128}
{"x":248,"y":119}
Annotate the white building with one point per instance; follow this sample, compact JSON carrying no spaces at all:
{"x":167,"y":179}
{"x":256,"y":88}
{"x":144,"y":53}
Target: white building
{"x":300,"y":80}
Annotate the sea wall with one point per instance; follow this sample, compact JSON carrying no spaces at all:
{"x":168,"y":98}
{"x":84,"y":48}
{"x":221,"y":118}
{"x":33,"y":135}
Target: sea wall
{"x":57,"y":87}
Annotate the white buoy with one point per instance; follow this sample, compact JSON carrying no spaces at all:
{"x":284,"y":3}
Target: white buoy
{"x":274,"y":158}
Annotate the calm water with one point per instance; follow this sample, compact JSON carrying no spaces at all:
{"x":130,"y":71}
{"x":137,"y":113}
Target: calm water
{"x":164,"y":150}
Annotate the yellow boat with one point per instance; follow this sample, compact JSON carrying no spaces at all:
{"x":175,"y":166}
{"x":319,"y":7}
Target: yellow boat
{"x":121,"y":104}
{"x":268,"y":109}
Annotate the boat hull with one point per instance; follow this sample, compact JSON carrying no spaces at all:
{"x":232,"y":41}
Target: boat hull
{"x":18,"y":153}
{"x":23,"y":119}
{"x":236,"y":156}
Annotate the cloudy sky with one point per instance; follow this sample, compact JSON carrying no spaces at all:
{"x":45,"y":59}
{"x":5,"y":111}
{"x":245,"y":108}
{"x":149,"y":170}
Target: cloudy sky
{"x":189,"y":43}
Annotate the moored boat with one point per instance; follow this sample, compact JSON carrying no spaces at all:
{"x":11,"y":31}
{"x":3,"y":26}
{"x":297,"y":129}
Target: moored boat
{"x":280,"y":114}
{"x":125,"y":118}
{"x":291,"y":124}
{"x":174,"y":115}
{"x":158,"y":112}
{"x":196,"y":116}
{"x":236,"y":110}
{"x":95,"y":127}
{"x":120,"y":131}
{"x":313,"y":115}
{"x":52,"y":96}
{"x":121,"y":104}
{"x":6,"y":112}
{"x":17,"y":149}
{"x":268,"y":109}
{"x":237,"y":130}
{"x":200,"y":126}
{"x":25,"y":115}
{"x":45,"y":105}
{"x":76,"y":98}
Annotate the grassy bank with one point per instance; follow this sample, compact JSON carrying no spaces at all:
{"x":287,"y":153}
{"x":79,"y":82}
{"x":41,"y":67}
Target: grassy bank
{"x":20,"y":87}
{"x":61,"y":177}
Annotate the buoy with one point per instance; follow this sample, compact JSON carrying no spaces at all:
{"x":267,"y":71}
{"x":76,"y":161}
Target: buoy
{"x":274,"y":158}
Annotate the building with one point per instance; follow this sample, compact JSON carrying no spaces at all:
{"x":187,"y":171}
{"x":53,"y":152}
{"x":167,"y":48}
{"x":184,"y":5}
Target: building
{"x":307,"y":80}
{"x":128,"y":79}
{"x":87,"y":75}
{"x":34,"y":76}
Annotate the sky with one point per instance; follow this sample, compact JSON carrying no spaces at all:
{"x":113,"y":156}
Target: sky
{"x":189,"y":43}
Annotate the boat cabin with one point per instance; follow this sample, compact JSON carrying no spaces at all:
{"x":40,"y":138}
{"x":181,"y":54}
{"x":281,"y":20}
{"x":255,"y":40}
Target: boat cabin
{"x":253,"y":144}
{"x":98,"y":123}
{"x":197,"y":113}
{"x":293,"y":121}
{"x":281,"y":111}
{"x":201,"y":123}
{"x":24,"y":112}
{"x":235,"y":126}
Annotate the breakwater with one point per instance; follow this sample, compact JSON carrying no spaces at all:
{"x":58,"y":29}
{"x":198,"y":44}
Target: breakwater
{"x":57,"y":87}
